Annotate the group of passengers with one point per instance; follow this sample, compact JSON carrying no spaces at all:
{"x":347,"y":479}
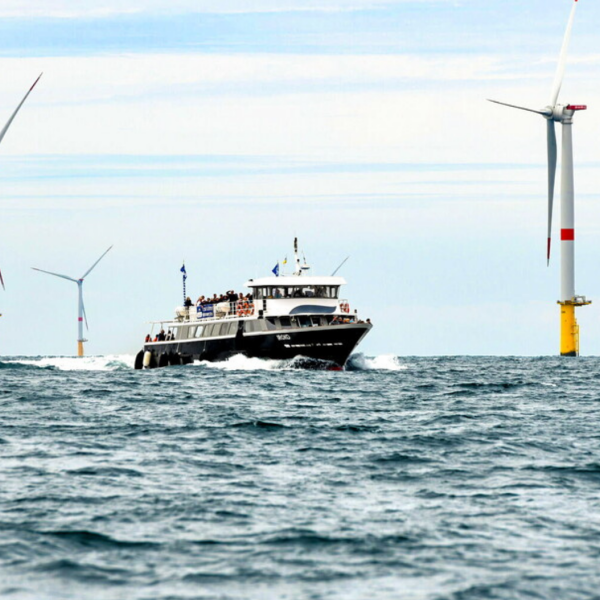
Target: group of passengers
{"x":348,"y":320}
{"x":161,"y":336}
{"x":229,"y":296}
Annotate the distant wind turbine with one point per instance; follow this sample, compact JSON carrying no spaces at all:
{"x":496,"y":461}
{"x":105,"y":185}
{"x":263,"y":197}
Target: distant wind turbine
{"x":3,"y":133}
{"x":81,"y":308}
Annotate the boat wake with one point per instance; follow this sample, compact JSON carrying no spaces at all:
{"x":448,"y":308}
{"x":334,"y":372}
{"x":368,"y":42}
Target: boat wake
{"x":109,"y":362}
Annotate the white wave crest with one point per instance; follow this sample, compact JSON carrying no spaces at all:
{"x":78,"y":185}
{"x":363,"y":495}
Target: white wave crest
{"x":357,"y":362}
{"x":109,"y":362}
{"x":384,"y":362}
{"x":239,"y":362}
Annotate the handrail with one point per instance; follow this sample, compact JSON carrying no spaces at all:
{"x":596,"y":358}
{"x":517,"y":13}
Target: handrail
{"x":219,"y":310}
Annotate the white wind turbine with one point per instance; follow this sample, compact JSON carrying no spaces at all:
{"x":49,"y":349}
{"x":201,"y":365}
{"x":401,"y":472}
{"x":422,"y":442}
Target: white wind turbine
{"x":563,"y":114}
{"x":81,"y":308}
{"x":5,"y":129}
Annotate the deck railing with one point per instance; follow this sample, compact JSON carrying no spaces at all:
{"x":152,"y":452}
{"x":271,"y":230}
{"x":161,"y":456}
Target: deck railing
{"x":231,"y":310}
{"x":220,"y":310}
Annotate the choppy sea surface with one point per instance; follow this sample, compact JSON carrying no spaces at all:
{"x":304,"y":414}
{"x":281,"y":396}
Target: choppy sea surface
{"x":412,"y":478}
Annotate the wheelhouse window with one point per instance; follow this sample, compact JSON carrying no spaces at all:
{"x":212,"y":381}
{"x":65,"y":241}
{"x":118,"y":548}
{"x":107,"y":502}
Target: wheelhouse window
{"x":300,"y":291}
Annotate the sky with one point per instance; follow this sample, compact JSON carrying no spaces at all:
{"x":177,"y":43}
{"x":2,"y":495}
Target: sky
{"x":215,"y":131}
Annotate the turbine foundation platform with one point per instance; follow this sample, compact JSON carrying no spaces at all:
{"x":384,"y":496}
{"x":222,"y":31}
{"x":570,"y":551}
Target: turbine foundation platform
{"x":569,"y":329}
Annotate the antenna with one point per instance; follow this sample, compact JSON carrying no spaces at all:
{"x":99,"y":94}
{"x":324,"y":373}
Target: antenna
{"x":341,"y":265}
{"x":81,"y":315}
{"x":298,"y":270}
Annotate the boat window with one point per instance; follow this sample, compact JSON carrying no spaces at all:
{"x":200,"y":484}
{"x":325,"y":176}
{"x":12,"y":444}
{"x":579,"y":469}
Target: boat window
{"x":316,"y":321}
{"x":232,"y":328}
{"x":208,"y":330}
{"x":271,"y":323}
{"x":307,"y":291}
{"x":257,"y":325}
{"x":181,"y":333}
{"x":199,"y":330}
{"x":305,"y":321}
{"x":285,"y":322}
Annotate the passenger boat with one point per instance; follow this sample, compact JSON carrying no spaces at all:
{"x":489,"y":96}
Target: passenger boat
{"x":283,"y":317}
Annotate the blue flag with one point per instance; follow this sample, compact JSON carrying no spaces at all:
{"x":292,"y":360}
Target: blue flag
{"x":276,"y":270}
{"x":184,"y":272}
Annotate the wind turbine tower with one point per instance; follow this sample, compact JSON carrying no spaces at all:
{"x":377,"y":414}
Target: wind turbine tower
{"x":81,"y":307}
{"x":563,"y":114}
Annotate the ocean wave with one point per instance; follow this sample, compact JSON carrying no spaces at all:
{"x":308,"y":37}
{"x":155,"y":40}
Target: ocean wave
{"x":239,"y":362}
{"x":109,"y":362}
{"x":96,"y":540}
{"x":356,"y":362}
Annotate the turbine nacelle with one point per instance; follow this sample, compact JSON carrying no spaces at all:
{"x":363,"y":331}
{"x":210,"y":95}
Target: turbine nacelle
{"x":561,"y":112}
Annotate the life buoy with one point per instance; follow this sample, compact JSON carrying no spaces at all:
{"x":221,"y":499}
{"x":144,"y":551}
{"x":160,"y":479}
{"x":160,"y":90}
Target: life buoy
{"x":250,"y":310}
{"x":345,"y":307}
{"x":240,"y":308}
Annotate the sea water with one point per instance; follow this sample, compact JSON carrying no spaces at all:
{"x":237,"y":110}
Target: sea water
{"x":413,"y":478}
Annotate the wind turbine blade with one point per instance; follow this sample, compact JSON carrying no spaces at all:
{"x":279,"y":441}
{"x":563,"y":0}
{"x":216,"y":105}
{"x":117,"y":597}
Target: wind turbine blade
{"x":2,"y":281}
{"x":3,"y":132}
{"x":55,"y":274}
{"x":562,"y":59}
{"x":84,"y":314}
{"x":539,"y":112}
{"x":552,"y":158}
{"x":90,"y":269}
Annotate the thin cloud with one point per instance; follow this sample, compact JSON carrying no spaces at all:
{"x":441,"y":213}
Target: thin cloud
{"x":77,"y":9}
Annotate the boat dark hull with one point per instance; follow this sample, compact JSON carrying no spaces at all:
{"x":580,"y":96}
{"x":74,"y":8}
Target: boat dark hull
{"x":333,"y":344}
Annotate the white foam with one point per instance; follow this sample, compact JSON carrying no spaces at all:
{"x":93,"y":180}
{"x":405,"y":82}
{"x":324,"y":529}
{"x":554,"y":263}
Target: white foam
{"x":357,"y":362}
{"x":239,"y":362}
{"x":384,"y":362}
{"x":109,"y":362}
